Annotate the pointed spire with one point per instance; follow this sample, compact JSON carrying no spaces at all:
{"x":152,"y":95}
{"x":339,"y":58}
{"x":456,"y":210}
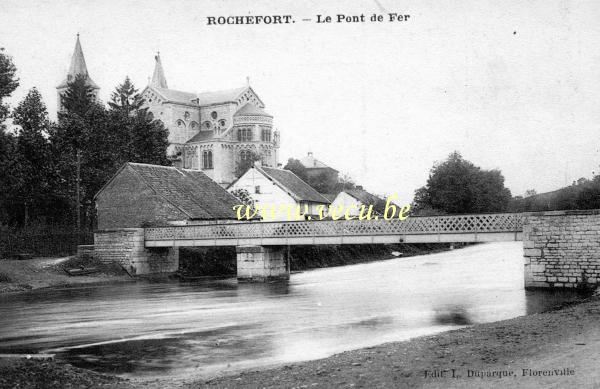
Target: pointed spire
{"x":78,"y":61}
{"x":78,"y":67}
{"x":247,"y":80}
{"x":158,"y":78}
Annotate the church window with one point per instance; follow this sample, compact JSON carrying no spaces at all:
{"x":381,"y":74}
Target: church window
{"x":265,"y":158}
{"x":213,"y":114}
{"x":180,"y":123}
{"x":222,"y":122}
{"x":150,"y":116}
{"x":245,"y":157}
{"x":207,"y":159}
{"x":266,"y":135}
{"x":207,"y":125}
{"x":245,"y":134}
{"x":194,"y":125}
{"x":186,"y":115}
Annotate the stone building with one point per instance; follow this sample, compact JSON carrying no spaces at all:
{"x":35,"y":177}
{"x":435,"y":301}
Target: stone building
{"x":77,"y":67}
{"x":141,"y":195}
{"x":315,"y":168}
{"x":215,"y":132}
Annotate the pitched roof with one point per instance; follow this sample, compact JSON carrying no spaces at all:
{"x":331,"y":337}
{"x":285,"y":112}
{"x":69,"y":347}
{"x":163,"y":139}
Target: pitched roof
{"x":78,"y":67}
{"x":250,"y":109}
{"x":311,"y":162}
{"x":158,"y":78}
{"x":176,"y":96}
{"x":222,"y":96}
{"x":192,"y":191}
{"x":201,"y":137}
{"x":329,"y":196}
{"x":367,"y":199}
{"x":293,"y":184}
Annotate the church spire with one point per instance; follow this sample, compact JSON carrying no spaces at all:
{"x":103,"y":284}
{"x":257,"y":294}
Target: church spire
{"x":78,"y":61}
{"x":158,"y":78}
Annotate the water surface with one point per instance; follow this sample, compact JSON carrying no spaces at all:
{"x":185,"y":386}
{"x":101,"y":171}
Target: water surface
{"x":210,"y":327}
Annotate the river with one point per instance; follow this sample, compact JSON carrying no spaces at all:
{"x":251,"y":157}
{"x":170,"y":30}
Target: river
{"x":211,"y":327}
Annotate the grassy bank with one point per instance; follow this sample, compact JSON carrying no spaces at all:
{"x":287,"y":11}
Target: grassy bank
{"x":221,"y":261}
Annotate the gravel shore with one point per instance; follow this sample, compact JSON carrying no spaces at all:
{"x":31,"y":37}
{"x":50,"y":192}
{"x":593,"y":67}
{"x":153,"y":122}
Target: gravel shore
{"x":555,"y":349}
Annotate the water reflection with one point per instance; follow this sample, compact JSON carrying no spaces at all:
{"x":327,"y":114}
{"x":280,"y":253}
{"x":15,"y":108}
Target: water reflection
{"x":212,"y":326}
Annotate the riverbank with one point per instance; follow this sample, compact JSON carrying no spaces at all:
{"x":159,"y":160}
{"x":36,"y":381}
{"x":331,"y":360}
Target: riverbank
{"x":37,"y":273}
{"x":558,"y":348}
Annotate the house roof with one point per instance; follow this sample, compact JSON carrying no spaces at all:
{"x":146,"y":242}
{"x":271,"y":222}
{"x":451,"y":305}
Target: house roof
{"x":221,"y":96}
{"x":329,"y":196}
{"x":367,"y":199}
{"x":310,"y":162}
{"x":251,"y":110}
{"x":293,"y":184}
{"x":192,"y":191}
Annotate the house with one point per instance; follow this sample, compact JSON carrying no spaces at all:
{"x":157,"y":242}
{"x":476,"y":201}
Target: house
{"x":314,"y":167}
{"x":140,"y":195}
{"x":352,"y":199}
{"x":282,"y":189}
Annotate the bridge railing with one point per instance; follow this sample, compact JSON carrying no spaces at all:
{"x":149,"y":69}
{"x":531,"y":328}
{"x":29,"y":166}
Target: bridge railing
{"x":476,"y":223}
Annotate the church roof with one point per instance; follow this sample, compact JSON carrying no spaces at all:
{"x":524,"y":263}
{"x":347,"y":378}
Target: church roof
{"x":191,"y":191}
{"x":251,"y":110}
{"x":310,"y":162}
{"x":175,"y":95}
{"x":222,"y":96}
{"x":77,"y":67}
{"x":201,"y":137}
{"x":158,"y":78}
{"x":293,"y":184}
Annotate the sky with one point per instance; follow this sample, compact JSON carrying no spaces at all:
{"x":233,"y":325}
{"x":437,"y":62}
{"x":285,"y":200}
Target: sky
{"x":511,"y":85}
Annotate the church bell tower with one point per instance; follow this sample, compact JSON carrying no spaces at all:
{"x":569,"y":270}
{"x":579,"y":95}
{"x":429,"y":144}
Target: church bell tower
{"x":78,"y":67}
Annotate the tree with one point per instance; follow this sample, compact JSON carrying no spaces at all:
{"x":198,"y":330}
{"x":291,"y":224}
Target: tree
{"x":246,"y":162}
{"x":79,"y":96}
{"x":244,"y":196}
{"x":530,"y":192}
{"x":33,"y":169}
{"x":295,"y":166}
{"x":458,"y":186}
{"x":125,"y":98}
{"x":8,"y":83}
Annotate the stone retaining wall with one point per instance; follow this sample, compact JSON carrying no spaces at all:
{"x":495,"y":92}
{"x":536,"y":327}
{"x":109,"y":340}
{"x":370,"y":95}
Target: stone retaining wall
{"x":561,"y":248}
{"x":126,"y":247}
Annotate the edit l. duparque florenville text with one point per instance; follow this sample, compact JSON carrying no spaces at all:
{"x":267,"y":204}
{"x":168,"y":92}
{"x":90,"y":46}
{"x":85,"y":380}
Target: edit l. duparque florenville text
{"x":338,"y":18}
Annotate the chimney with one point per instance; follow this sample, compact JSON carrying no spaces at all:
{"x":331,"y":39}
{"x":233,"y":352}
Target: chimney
{"x":279,"y":166}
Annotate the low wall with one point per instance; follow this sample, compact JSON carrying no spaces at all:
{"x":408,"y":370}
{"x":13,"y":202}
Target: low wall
{"x":126,"y":247}
{"x":561,"y":248}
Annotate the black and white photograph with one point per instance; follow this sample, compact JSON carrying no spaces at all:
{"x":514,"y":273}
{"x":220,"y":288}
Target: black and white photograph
{"x":299,"y":194}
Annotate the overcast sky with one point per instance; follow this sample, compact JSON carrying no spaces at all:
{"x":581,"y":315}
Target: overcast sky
{"x":512,"y":85}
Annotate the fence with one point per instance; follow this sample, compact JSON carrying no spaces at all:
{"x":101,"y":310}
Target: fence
{"x":42,"y":243}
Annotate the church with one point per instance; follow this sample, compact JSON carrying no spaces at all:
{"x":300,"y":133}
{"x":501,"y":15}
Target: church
{"x":216,"y":132}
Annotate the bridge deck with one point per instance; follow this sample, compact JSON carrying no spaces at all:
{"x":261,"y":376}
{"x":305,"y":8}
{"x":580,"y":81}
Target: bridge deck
{"x":430,"y":229}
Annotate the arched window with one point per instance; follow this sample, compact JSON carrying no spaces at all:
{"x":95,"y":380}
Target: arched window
{"x":207,"y":159}
{"x":244,"y":134}
{"x":245,"y":156}
{"x":266,"y":135}
{"x":180,"y":123}
{"x":194,"y":125}
{"x":150,"y":116}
